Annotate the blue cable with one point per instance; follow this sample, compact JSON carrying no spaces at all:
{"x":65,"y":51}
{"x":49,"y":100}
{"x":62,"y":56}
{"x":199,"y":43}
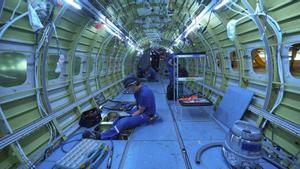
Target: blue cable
{"x":63,"y":144}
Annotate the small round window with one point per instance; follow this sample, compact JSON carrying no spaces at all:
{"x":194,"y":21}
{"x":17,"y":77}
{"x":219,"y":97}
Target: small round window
{"x":218,"y":60}
{"x":53,"y":67}
{"x":234,"y":61}
{"x":13,"y":69}
{"x":259,"y":60}
{"x":294,"y":58}
{"x":77,"y":65}
{"x":91,"y":66}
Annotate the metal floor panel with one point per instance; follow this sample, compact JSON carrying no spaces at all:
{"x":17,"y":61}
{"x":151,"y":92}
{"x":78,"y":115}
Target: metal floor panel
{"x":161,"y":104}
{"x":154,"y":155}
{"x":160,"y":130}
{"x":203,"y":131}
{"x":192,"y":114}
{"x":164,"y":114}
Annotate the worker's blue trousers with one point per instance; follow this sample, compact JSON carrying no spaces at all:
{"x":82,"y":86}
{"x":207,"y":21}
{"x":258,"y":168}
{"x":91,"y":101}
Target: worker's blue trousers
{"x":124,"y":123}
{"x":171,"y":74}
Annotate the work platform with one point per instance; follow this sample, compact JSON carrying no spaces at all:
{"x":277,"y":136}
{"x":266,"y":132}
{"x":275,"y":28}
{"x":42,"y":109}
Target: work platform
{"x":156,"y":145}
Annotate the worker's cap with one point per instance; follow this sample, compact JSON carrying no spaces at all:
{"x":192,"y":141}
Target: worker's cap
{"x":130,"y":80}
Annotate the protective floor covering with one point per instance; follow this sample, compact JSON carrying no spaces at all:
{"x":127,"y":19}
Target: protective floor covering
{"x":155,"y":145}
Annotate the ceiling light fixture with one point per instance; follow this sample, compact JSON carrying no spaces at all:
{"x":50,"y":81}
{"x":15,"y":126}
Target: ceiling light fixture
{"x":221,"y":4}
{"x":195,"y":22}
{"x":110,"y":26}
{"x":73,"y":3}
{"x":169,"y":50}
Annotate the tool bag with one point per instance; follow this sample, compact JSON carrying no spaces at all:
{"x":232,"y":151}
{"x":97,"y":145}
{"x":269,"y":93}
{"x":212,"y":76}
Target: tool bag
{"x":90,"y":118}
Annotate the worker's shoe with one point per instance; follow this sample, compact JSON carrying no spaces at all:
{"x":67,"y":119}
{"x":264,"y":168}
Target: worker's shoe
{"x":154,"y":118}
{"x":91,"y":135}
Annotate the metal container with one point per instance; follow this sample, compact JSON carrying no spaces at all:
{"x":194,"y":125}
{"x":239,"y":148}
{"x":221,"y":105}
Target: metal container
{"x":111,"y":116}
{"x":243,"y":145}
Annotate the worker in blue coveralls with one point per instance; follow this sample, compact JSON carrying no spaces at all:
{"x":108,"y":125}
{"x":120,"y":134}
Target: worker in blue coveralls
{"x":170,"y":61}
{"x":145,"y":110}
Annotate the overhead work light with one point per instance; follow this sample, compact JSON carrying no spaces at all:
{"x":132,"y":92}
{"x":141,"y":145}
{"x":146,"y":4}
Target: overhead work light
{"x":195,"y":22}
{"x":221,"y":4}
{"x":109,"y":25}
{"x":73,"y":3}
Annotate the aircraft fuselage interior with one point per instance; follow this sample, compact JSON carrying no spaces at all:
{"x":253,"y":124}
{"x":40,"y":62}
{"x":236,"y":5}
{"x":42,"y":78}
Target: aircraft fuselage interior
{"x":150,"y":84}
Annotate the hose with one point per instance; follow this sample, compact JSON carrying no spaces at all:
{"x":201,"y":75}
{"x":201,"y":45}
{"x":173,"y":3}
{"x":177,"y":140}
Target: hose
{"x":63,"y":144}
{"x":206,"y":147}
{"x":8,"y":24}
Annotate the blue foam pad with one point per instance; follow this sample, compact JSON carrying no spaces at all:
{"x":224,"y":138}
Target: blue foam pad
{"x":233,"y":105}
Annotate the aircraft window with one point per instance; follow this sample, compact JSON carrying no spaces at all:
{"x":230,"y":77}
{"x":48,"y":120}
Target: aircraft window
{"x":77,"y":65}
{"x":53,"y":69}
{"x":218,"y":60}
{"x":13,"y":68}
{"x":207,"y":64}
{"x":234,"y":61}
{"x":294,"y":58}
{"x":259,"y":60}
{"x":91,"y":68}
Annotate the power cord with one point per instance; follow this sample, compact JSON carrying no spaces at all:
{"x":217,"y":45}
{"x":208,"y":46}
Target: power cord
{"x":205,"y":27}
{"x":63,"y":144}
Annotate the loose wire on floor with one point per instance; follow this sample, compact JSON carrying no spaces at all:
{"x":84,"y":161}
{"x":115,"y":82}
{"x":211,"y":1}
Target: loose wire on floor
{"x":63,"y":144}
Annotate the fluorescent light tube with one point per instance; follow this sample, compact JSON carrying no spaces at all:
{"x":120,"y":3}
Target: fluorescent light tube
{"x":221,"y":4}
{"x":73,"y":3}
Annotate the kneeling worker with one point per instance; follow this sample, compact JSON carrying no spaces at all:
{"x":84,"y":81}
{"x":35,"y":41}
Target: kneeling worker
{"x":144,"y":111}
